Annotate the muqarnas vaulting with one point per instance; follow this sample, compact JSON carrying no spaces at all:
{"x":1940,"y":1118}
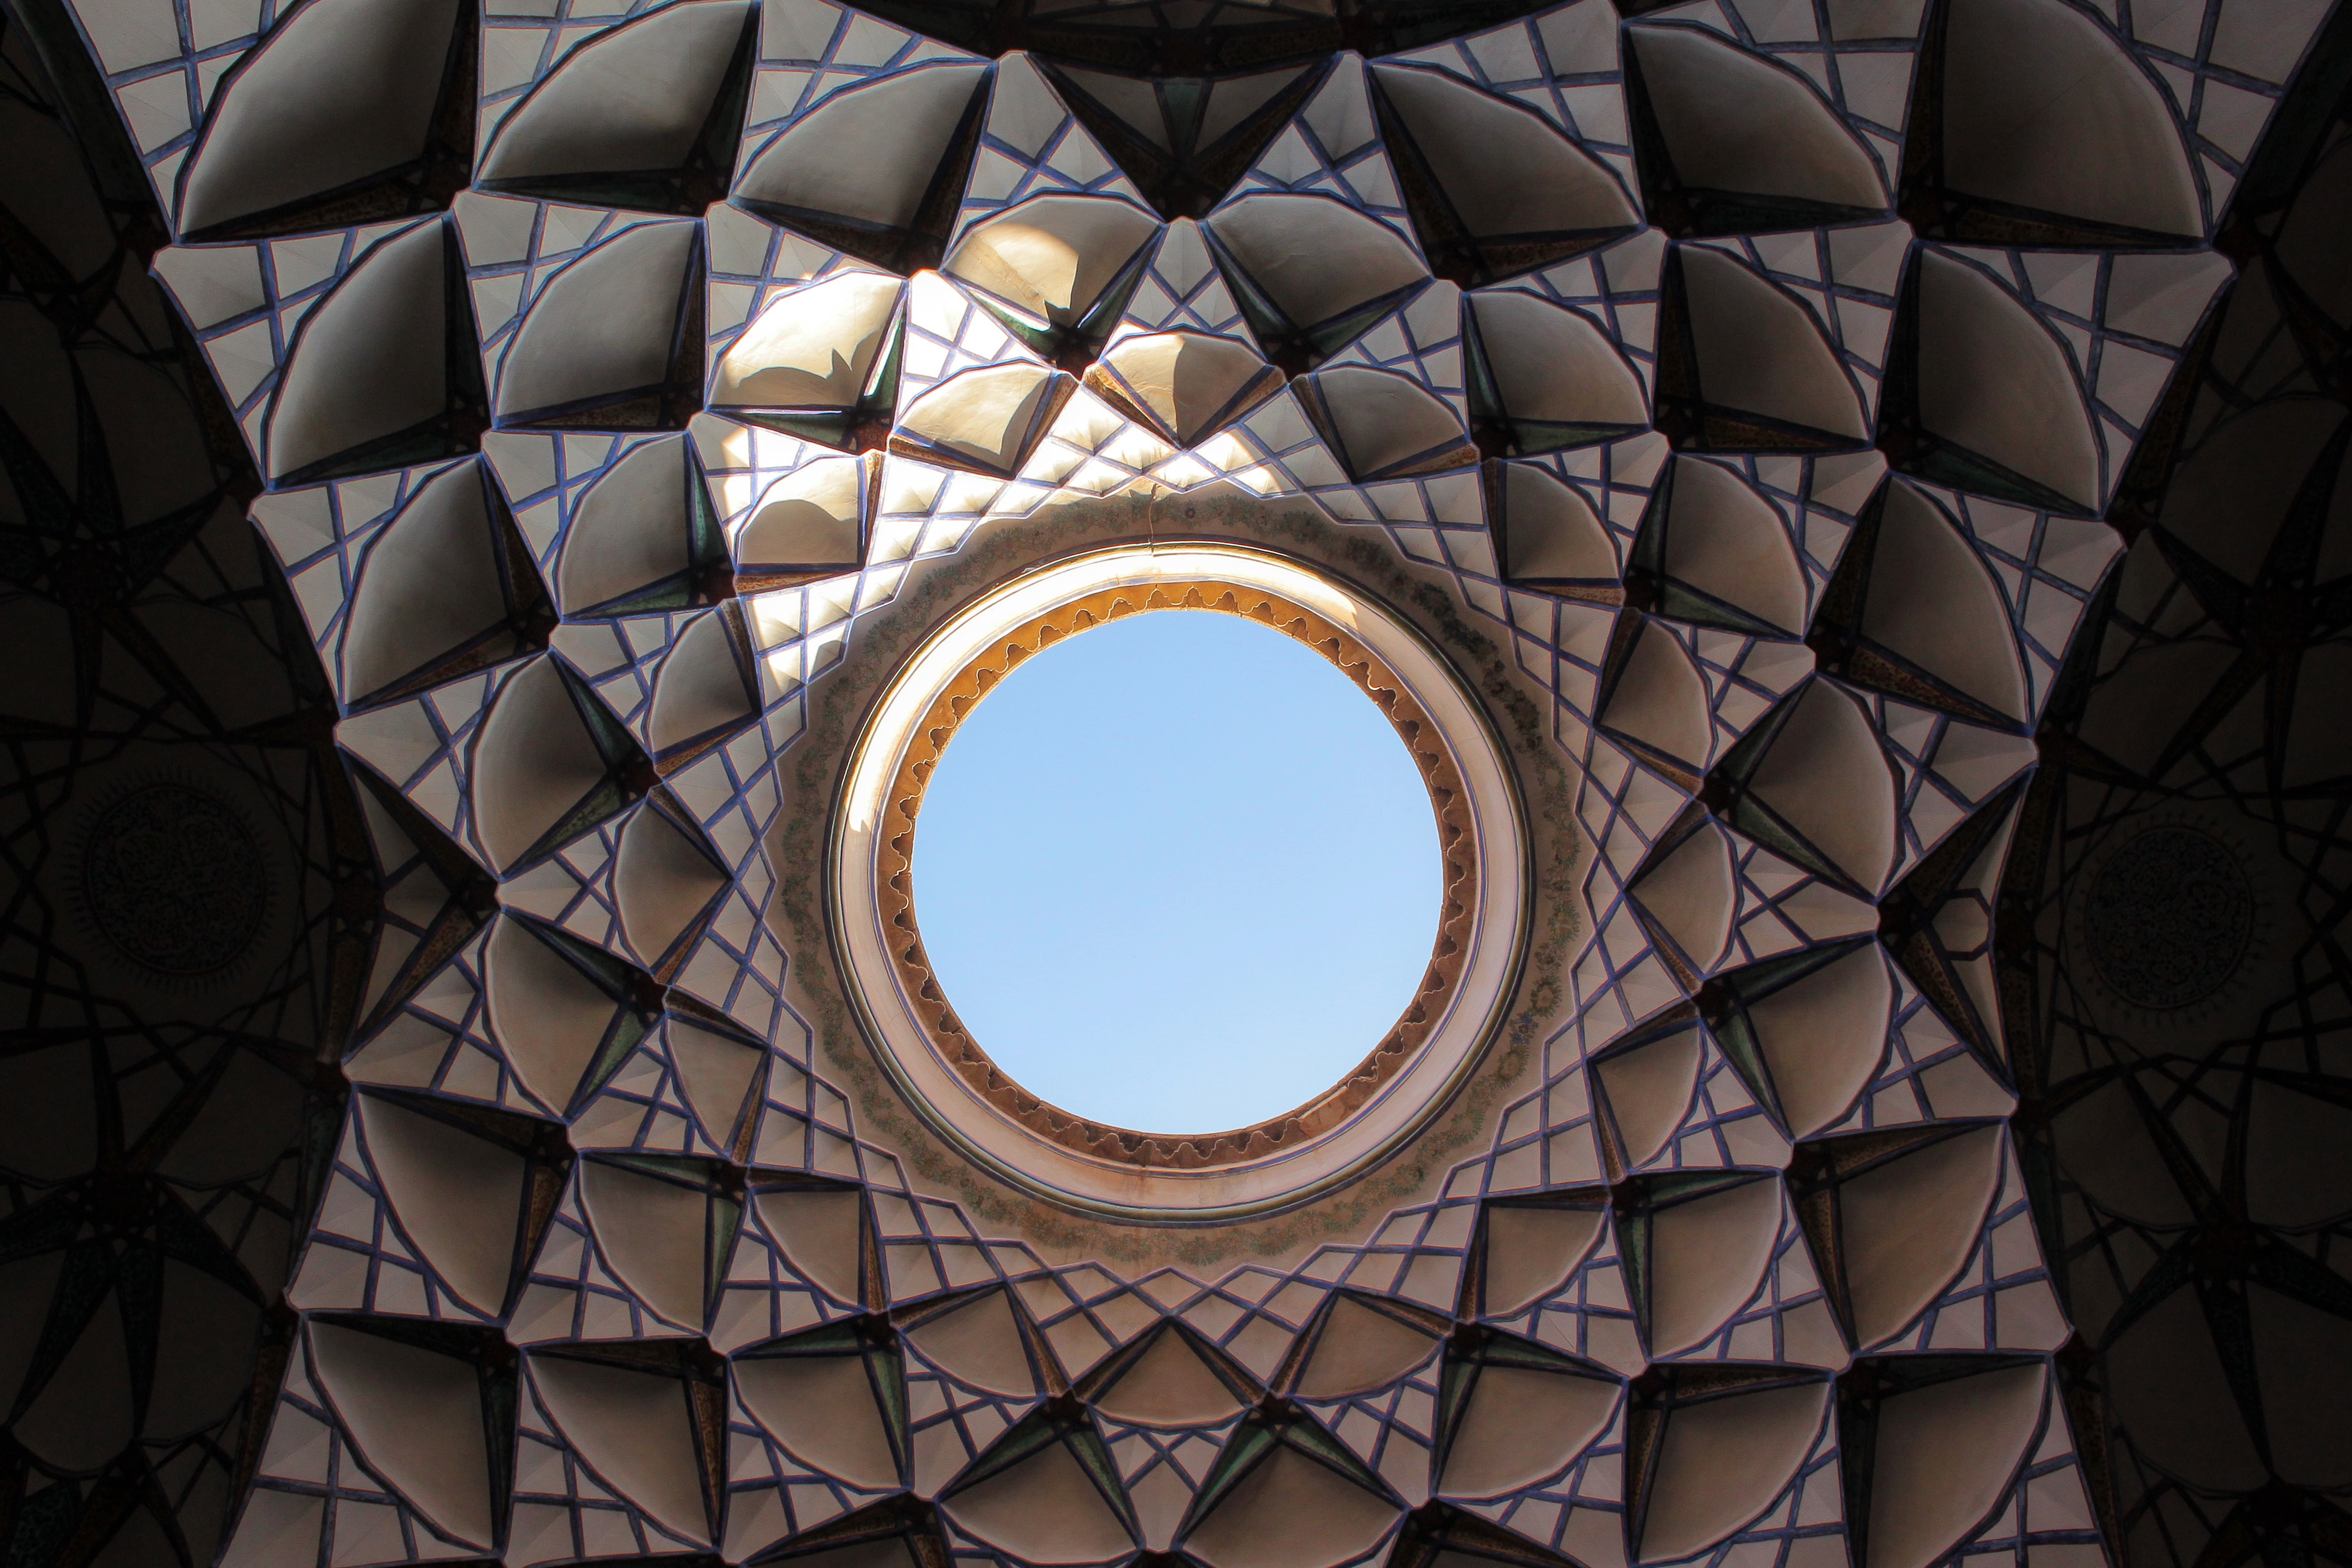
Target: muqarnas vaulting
{"x":1766,"y":392}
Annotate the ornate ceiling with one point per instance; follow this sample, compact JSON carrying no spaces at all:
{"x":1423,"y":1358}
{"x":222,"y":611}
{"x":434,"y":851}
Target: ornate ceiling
{"x":1876,"y":465}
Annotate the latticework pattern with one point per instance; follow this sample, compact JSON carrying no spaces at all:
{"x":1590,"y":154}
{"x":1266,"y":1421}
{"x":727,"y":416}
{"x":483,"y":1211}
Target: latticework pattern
{"x":1768,"y":389}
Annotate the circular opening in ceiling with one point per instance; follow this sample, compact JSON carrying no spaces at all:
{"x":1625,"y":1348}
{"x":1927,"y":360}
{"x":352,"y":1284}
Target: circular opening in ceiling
{"x":1374,"y":1093}
{"x":1176,"y":874}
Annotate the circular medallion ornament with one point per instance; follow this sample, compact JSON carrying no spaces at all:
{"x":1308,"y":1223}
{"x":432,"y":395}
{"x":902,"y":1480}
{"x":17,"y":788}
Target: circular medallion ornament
{"x":2169,"y":917}
{"x":1405,"y":1074}
{"x":172,"y":878}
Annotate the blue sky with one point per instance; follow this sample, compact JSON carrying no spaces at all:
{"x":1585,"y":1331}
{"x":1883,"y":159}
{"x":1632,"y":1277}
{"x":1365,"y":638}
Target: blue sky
{"x":1177,"y":873}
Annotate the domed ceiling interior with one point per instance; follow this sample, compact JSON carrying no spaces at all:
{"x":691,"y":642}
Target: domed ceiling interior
{"x":1882,"y":460}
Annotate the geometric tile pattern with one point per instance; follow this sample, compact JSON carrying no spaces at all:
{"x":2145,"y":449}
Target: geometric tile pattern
{"x":1775,"y":387}
{"x":2193,"y":1200}
{"x":189,"y":894}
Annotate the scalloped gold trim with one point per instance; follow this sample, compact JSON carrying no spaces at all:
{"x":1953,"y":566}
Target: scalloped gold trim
{"x":1187,"y":1151}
